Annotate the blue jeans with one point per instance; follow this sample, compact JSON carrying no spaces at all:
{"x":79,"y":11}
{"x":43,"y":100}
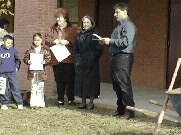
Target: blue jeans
{"x":12,"y":79}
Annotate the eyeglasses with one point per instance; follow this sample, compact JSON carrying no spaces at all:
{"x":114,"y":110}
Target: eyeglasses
{"x":58,"y":19}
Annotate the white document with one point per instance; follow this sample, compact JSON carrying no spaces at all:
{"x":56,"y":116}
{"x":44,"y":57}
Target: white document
{"x":36,"y":61}
{"x":98,"y":37}
{"x":2,"y":85}
{"x":60,"y":52}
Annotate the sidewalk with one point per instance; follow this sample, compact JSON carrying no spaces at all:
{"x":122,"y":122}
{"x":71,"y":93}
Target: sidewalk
{"x":142,"y":96}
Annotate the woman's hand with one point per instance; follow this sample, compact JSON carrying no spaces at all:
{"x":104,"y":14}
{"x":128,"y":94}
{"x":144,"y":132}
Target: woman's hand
{"x":29,"y":62}
{"x":56,"y":41}
{"x":64,"y":42}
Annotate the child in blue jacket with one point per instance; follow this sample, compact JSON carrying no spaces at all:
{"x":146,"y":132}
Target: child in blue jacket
{"x":9,"y":65}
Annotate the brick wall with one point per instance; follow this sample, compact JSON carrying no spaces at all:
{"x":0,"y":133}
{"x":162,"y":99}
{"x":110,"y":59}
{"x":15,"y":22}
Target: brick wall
{"x":32,"y":16}
{"x":150,"y":17}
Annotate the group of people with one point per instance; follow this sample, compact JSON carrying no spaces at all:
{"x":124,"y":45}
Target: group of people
{"x":78,"y":74}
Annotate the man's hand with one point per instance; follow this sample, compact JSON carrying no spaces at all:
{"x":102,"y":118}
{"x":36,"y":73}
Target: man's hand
{"x":101,"y":42}
{"x":106,"y":40}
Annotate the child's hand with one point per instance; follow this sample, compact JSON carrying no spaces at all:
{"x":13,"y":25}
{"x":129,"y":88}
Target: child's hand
{"x":16,"y":69}
{"x":29,"y":62}
{"x":43,"y":62}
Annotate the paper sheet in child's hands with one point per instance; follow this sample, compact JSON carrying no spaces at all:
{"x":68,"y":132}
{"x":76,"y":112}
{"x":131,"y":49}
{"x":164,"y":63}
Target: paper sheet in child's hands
{"x":60,"y":52}
{"x":36,"y":60}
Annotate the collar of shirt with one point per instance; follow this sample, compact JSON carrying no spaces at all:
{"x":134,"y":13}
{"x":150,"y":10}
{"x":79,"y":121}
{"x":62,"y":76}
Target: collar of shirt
{"x":63,"y":29}
{"x":122,"y":22}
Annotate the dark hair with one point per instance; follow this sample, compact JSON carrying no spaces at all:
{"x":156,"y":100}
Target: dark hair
{"x":63,"y":12}
{"x":122,"y":6}
{"x":91,"y":19}
{"x":7,"y":37}
{"x":3,"y":21}
{"x":37,"y":34}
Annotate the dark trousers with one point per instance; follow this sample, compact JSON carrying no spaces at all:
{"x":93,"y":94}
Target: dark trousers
{"x":12,"y":79}
{"x":64,"y":74}
{"x":121,"y":66}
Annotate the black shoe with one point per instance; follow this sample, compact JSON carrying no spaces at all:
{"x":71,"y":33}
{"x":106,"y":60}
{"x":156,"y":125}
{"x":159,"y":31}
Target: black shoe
{"x":59,"y":103}
{"x":127,"y":116}
{"x":116,"y":113}
{"x":90,"y":107}
{"x":72,"y":103}
{"x":82,"y":107}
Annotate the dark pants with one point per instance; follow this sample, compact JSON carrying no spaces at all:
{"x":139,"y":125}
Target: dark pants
{"x":121,"y":66}
{"x":12,"y":79}
{"x":64,"y":74}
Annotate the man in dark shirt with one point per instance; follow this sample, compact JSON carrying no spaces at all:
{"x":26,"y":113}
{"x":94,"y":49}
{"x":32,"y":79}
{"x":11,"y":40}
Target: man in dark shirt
{"x":122,"y":47}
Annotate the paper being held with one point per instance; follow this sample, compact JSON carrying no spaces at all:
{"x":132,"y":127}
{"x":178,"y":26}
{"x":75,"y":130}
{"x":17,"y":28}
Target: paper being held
{"x":99,"y":37}
{"x":36,"y":61}
{"x":60,"y":52}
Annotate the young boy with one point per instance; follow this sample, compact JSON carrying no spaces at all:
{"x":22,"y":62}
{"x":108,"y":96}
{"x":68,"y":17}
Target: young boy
{"x":9,"y":65}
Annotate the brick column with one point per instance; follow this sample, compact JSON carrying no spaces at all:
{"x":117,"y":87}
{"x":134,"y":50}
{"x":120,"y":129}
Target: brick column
{"x":32,"y":16}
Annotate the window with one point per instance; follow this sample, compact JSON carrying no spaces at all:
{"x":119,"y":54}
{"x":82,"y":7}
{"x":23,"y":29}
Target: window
{"x":72,"y":6}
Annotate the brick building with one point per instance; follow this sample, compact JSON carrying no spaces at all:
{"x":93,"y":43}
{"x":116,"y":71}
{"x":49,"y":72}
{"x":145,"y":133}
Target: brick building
{"x":150,"y":16}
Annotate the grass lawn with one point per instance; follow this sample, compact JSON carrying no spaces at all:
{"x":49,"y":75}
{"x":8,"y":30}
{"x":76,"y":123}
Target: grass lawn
{"x":69,"y":120}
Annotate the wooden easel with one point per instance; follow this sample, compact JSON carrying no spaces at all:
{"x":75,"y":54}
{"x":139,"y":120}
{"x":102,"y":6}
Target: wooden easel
{"x":162,"y":113}
{"x":165,"y":106}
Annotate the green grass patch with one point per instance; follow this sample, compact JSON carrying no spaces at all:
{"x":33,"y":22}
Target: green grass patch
{"x":68,"y":120}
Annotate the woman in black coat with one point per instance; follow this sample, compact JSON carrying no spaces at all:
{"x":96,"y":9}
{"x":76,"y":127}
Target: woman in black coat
{"x":87,"y":53}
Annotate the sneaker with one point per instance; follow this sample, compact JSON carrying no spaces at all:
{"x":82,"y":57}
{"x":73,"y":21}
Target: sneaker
{"x":72,"y":103}
{"x":59,"y":103}
{"x":20,"y":107}
{"x":4,"y":107}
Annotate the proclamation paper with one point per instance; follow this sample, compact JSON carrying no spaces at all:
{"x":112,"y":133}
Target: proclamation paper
{"x":2,"y":85}
{"x":99,"y":37}
{"x":36,"y":61}
{"x":60,"y":52}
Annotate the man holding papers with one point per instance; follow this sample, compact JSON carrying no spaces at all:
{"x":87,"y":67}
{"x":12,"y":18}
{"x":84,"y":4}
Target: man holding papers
{"x":61,"y":38}
{"x":122,"y":47}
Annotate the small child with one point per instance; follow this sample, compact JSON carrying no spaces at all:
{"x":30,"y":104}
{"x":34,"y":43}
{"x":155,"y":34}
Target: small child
{"x":9,"y":65}
{"x":37,"y":77}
